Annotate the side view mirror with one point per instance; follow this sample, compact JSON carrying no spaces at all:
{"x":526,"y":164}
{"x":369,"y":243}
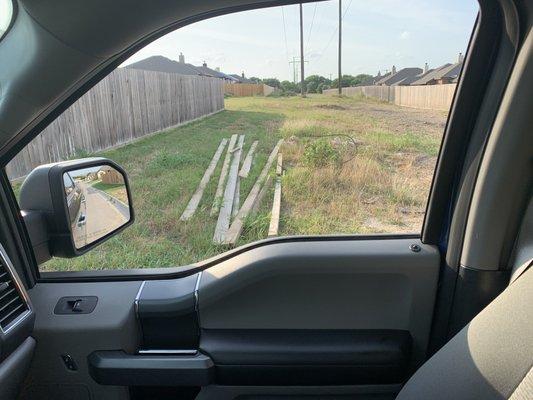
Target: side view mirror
{"x":70,"y":207}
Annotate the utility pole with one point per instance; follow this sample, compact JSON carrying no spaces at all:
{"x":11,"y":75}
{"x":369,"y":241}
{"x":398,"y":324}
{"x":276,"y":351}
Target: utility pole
{"x":302,"y":62}
{"x":294,"y":73}
{"x":340,"y":47}
{"x":294,"y":62}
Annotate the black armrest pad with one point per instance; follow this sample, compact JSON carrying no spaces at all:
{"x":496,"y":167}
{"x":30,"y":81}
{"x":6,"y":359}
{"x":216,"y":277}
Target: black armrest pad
{"x":307,"y":357}
{"x":119,"y":368}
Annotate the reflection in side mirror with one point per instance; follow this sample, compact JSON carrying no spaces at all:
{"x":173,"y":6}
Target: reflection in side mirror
{"x":97,"y":202}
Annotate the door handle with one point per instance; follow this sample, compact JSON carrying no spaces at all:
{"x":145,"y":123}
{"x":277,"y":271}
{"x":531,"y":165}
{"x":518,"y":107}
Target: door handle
{"x":76,"y":305}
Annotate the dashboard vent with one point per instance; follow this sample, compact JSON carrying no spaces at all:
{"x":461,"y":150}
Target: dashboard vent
{"x":12,"y":304}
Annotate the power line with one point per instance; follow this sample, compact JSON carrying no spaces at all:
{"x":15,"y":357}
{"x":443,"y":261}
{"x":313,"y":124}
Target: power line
{"x":285,"y":34}
{"x":302,"y":61}
{"x":334,"y":32}
{"x":312,"y":21}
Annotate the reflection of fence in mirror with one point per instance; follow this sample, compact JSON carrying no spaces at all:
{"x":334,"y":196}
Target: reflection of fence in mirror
{"x":97,"y":201}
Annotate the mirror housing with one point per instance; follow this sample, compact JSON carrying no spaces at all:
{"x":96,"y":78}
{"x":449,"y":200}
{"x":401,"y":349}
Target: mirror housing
{"x":45,"y":209}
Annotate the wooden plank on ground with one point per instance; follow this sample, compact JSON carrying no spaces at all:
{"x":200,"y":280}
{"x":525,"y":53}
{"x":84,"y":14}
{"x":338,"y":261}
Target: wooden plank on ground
{"x":261,"y":195}
{"x":197,"y":196}
{"x":224,"y":215}
{"x":247,"y":163}
{"x":276,"y":204}
{"x":235,"y":230}
{"x":236,"y":198}
{"x":223,"y":174}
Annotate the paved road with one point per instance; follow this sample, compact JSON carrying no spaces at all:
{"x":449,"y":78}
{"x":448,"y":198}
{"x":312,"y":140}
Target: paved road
{"x":102,"y":216}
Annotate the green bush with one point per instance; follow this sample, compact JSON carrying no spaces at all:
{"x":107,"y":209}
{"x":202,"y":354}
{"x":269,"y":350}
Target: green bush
{"x":320,"y":153}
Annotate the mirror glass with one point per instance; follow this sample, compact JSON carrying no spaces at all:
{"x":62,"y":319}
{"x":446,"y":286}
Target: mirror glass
{"x":97,"y":201}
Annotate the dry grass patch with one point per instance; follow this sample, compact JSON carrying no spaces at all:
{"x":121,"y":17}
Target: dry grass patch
{"x":369,"y":173}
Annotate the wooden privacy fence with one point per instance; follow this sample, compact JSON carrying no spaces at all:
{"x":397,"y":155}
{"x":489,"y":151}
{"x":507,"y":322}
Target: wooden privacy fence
{"x":126,"y":105}
{"x":430,"y":97}
{"x":247,"y":89}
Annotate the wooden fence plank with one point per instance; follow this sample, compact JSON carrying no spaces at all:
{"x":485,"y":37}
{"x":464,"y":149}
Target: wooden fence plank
{"x":247,"y":163}
{"x":235,"y":229}
{"x":197,"y":196}
{"x":126,"y":105}
{"x":431,"y":97}
{"x":247,"y":89}
{"x":224,"y":215}
{"x":223,"y":175}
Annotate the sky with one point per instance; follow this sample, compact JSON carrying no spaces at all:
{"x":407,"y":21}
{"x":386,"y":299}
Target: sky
{"x":376,"y":34}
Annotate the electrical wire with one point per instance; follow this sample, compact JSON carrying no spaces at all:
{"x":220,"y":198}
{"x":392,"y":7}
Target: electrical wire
{"x":285,"y":37}
{"x":334,"y":32}
{"x":311,"y":27}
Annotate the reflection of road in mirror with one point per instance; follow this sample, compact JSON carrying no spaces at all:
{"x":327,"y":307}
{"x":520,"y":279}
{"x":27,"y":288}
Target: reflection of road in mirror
{"x":100,"y":214}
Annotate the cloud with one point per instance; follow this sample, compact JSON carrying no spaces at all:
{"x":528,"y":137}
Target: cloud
{"x":405,"y":35}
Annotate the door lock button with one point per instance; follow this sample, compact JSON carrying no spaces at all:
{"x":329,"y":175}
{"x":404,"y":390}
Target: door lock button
{"x":69,"y":362}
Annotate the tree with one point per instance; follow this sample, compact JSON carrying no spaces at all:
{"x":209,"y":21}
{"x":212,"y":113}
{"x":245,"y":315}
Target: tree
{"x":288,"y":87}
{"x":312,"y":83}
{"x":255,"y":79}
{"x":350,"y":80}
{"x":274,"y":82}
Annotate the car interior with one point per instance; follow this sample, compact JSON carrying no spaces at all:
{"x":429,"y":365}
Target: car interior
{"x":445,"y":314}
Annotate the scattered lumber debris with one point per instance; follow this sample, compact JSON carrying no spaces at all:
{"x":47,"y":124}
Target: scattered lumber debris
{"x":273,"y":229}
{"x":279,"y":166}
{"x":224,"y":215}
{"x":223,"y":174}
{"x":233,"y":233}
{"x":197,"y":196}
{"x":247,"y":163}
{"x":261,"y":195}
{"x":236,"y":198}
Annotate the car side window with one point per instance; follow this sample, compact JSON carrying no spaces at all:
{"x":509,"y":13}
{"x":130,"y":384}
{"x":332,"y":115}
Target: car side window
{"x":229,"y":134}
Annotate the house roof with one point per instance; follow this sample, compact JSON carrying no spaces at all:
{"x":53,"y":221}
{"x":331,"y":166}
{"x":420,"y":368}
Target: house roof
{"x":410,"y":79}
{"x":400,"y":76}
{"x":380,"y":79}
{"x":163,"y":64}
{"x":454,"y":71}
{"x":444,"y":71}
{"x":240,"y":79}
{"x":212,"y":72}
{"x":372,"y":80}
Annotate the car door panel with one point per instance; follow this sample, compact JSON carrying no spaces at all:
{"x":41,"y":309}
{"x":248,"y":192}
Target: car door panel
{"x":336,"y":285}
{"x":111,"y":326}
{"x":309,"y":313}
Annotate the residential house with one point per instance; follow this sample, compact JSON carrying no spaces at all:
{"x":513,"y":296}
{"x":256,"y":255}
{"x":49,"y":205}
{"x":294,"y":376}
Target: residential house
{"x":447,"y":73}
{"x":163,"y":64}
{"x":205,"y":70}
{"x":373,"y":79}
{"x":397,"y":77}
{"x":410,"y":79}
{"x":241,"y":78}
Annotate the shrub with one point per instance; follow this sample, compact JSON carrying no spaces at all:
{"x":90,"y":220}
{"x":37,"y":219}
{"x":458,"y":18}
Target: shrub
{"x":320,"y":153}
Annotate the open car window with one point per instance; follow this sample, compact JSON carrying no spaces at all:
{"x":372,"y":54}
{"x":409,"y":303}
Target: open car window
{"x":222,"y":150}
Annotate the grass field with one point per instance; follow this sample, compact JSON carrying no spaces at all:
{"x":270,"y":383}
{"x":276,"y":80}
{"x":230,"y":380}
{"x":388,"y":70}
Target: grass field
{"x":351,"y":166}
{"x":116,"y":190}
